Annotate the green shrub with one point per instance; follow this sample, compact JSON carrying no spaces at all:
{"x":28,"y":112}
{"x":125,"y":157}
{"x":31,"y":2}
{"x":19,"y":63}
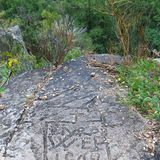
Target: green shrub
{"x":61,"y":38}
{"x":85,"y":43}
{"x":152,"y":32}
{"x":153,"y":37}
{"x":72,"y":54}
{"x":11,"y":64}
{"x":29,"y":62}
{"x":143,"y":81}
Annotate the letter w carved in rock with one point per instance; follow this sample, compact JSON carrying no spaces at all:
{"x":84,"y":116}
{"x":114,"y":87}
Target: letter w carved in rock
{"x":67,"y":141}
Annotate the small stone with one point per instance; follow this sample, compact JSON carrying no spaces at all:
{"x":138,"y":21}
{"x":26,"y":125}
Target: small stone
{"x":43,"y":98}
{"x":93,"y":74}
{"x":51,"y":78}
{"x":144,"y":148}
{"x":66,"y":69}
{"x":29,"y":96}
{"x":72,"y":87}
{"x":53,"y":67}
{"x":100,"y":88}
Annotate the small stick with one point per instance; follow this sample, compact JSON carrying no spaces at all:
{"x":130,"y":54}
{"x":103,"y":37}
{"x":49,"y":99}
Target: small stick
{"x":9,"y":75}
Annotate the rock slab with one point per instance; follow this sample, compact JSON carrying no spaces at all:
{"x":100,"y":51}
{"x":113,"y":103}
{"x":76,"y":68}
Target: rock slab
{"x":68,"y":114}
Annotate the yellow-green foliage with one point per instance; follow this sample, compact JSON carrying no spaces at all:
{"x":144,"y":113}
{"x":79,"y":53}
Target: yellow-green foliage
{"x":48,"y":18}
{"x":7,"y":64}
{"x":9,"y":60}
{"x":15,"y":63}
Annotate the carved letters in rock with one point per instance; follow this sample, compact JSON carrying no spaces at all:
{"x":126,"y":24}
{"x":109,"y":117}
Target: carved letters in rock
{"x":68,"y":141}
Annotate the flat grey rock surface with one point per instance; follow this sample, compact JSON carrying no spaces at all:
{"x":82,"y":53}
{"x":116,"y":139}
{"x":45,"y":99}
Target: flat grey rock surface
{"x":68,"y":114}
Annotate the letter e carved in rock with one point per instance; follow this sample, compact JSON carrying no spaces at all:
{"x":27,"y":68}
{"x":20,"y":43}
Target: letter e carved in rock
{"x":69,"y":156}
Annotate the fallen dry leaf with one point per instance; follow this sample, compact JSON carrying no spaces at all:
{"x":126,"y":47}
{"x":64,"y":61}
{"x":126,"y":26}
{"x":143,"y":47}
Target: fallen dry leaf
{"x":2,"y":106}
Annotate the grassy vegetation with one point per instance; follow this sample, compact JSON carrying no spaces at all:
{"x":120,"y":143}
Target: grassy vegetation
{"x":143,"y":81}
{"x":11,"y":64}
{"x":73,"y":54}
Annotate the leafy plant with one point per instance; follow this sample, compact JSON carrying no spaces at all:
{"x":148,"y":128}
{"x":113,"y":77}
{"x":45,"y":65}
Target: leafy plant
{"x":73,"y":54}
{"x":143,"y":81}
